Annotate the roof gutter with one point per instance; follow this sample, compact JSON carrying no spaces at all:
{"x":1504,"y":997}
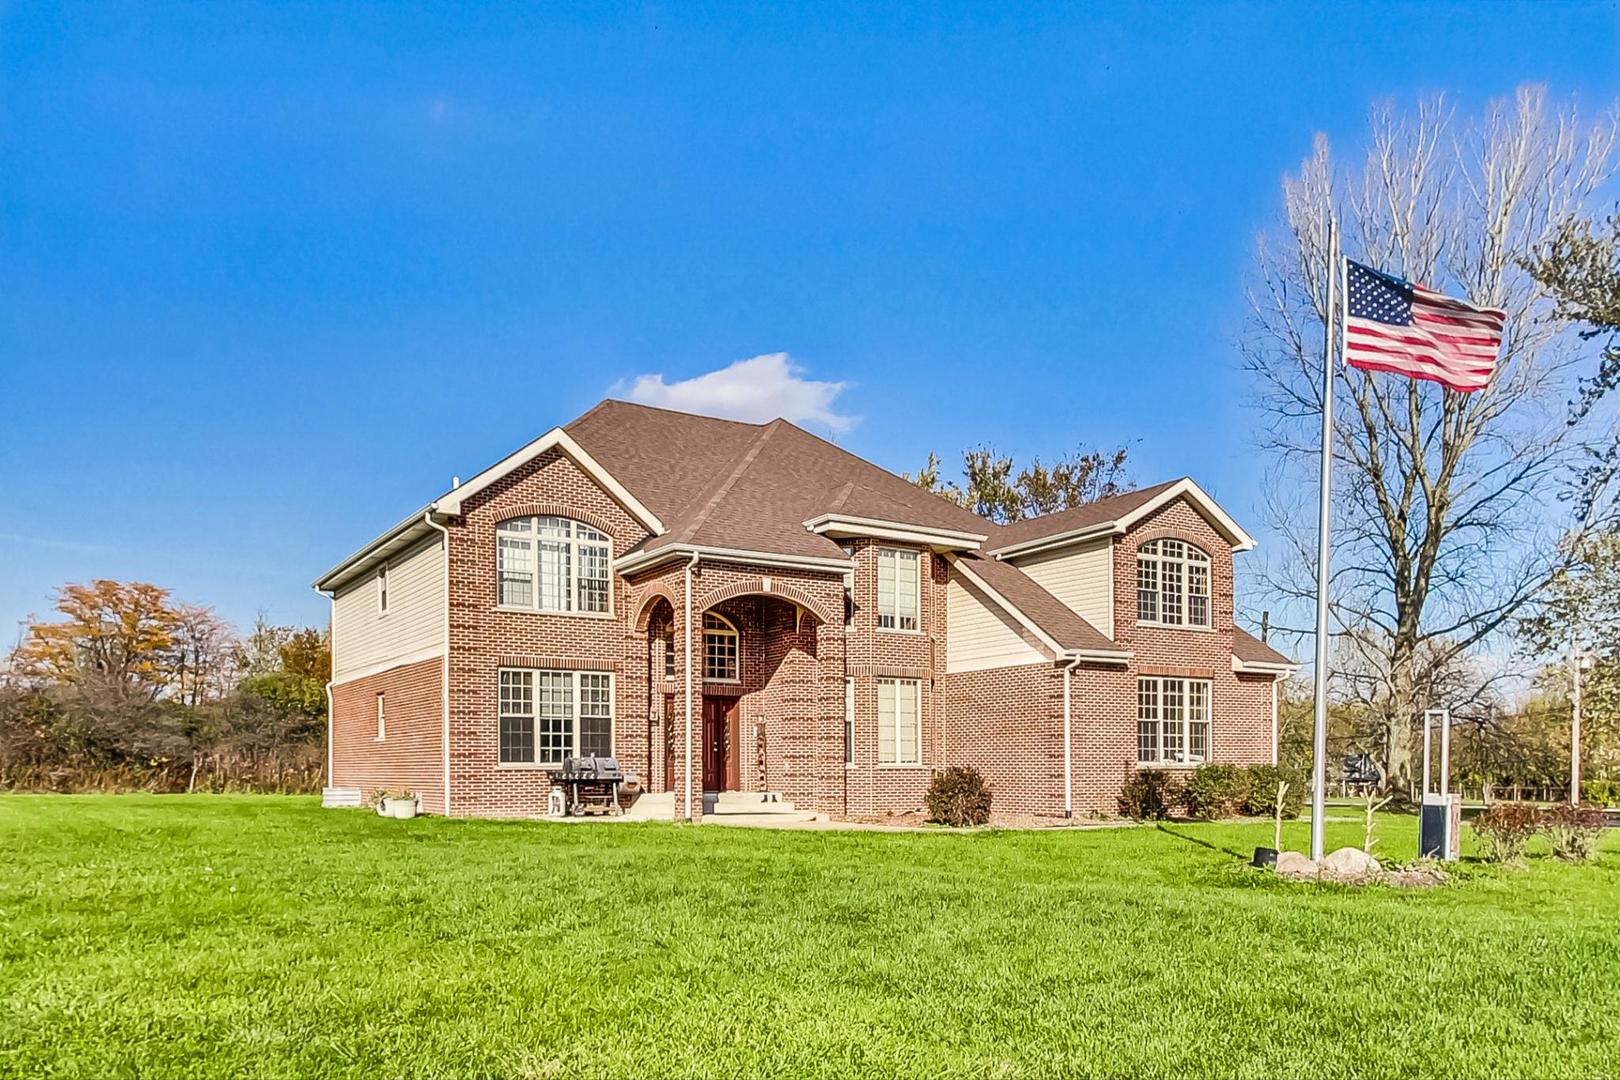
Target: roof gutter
{"x":1068,"y":740}
{"x":1073,"y":536}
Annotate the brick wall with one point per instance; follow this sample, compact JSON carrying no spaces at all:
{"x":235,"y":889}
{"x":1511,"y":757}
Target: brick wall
{"x":1105,"y":709}
{"x":1008,"y":723}
{"x":411,"y":755}
{"x":483,"y":638}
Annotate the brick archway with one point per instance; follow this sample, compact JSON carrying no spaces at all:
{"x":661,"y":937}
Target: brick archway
{"x":648,"y":602}
{"x":758,"y":587}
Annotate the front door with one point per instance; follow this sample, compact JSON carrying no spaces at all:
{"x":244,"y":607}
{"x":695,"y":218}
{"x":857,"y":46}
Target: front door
{"x":717,"y":713}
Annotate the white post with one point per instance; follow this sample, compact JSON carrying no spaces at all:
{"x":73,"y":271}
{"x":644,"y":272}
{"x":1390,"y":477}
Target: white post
{"x":1068,"y":770}
{"x":1575,"y":725}
{"x":687,"y":629}
{"x":1319,"y":739}
{"x":1428,"y":727}
{"x":1445,"y":752}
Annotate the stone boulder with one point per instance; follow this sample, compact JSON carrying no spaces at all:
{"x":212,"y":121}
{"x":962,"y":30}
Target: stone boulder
{"x":1291,"y":864}
{"x":1351,"y":864}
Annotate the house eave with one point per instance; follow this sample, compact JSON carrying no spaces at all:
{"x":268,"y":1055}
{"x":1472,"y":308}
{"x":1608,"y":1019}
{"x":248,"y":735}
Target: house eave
{"x":1262,"y":667}
{"x":1045,"y":543}
{"x":399,"y":538}
{"x":647,"y":560}
{"x":845,"y":525}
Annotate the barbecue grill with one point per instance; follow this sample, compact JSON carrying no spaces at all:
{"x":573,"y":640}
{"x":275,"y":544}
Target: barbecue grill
{"x":593,"y":784}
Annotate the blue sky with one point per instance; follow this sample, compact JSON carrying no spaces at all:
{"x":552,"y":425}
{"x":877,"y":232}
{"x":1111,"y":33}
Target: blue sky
{"x":269,"y":275}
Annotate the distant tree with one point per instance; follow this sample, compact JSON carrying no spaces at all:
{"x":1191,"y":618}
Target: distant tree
{"x":1444,"y":523}
{"x":296,"y":687}
{"x":205,"y":656}
{"x":119,"y":636}
{"x":1581,"y":269}
{"x":991,"y":489}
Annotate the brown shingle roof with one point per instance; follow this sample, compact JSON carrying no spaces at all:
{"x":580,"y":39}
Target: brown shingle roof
{"x":1075,"y":518}
{"x":720,"y":483}
{"x":1251,"y":650}
{"x":1059,"y":621}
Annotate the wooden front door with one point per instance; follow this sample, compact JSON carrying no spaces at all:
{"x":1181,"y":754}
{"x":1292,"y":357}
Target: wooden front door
{"x":719,"y":718}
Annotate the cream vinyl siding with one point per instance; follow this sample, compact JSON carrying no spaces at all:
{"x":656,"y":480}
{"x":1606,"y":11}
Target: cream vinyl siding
{"x":1081,"y":576}
{"x":364,"y":637}
{"x":979,"y":635}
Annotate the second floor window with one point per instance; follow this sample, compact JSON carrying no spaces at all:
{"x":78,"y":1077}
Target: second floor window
{"x":1172,"y":584}
{"x":898,"y":586}
{"x":552,"y":564}
{"x":719,"y":648}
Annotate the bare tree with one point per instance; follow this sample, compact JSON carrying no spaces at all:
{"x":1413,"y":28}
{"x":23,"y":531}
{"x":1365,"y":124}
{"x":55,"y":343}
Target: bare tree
{"x":1445,"y":520}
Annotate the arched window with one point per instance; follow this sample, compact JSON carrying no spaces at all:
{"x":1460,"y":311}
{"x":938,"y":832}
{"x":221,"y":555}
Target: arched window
{"x":552,"y":564}
{"x":719,"y":648}
{"x":1172,"y":584}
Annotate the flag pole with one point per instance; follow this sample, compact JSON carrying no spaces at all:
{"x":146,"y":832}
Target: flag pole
{"x":1319,"y":733}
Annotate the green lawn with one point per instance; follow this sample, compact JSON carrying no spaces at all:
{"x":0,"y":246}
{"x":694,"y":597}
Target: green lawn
{"x":220,"y":935}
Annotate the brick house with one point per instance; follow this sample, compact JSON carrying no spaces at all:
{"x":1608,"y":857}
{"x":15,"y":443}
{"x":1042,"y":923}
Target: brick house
{"x":732,"y":607}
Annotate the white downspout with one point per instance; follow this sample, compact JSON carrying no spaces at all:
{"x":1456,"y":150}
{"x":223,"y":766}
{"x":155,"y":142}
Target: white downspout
{"x":444,"y":663}
{"x":688,"y":666}
{"x":328,"y":734}
{"x":1068,"y":758}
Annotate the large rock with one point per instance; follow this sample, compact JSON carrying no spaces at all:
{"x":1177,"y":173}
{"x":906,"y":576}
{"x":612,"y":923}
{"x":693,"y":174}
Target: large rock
{"x":1351,"y":864}
{"x":1291,"y":864}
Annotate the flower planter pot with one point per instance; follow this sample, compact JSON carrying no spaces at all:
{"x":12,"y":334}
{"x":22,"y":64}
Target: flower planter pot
{"x":404,"y":809}
{"x":1264,"y":856}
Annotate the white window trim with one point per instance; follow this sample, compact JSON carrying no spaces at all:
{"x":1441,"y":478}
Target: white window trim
{"x":1187,"y":762}
{"x":734,"y":634}
{"x":917,"y":558}
{"x":573,"y":542}
{"x":916,"y":719}
{"x":382,"y":717}
{"x":382,"y":590}
{"x":575,"y":677}
{"x":1186,"y":584}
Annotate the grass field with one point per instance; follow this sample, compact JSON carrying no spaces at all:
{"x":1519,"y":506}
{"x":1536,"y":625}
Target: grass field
{"x":219,"y":935}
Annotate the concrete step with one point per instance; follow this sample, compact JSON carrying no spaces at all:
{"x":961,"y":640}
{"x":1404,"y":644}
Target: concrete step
{"x":746,"y":802}
{"x":652,"y":806}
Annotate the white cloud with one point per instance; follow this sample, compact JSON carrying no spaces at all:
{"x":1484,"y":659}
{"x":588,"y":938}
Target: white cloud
{"x":756,"y":390}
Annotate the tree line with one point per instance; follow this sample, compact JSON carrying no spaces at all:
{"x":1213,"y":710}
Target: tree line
{"x":130,"y":689}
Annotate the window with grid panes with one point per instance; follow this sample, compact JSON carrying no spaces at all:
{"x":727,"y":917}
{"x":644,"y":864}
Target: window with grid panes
{"x":899,"y":585}
{"x":552,"y":564}
{"x":546,"y":716}
{"x":1172,"y":584}
{"x":1172,"y":720}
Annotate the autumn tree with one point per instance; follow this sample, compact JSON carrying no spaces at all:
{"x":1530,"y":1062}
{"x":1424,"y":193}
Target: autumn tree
{"x":990,"y":487}
{"x":119,"y":634}
{"x":1445,"y":517}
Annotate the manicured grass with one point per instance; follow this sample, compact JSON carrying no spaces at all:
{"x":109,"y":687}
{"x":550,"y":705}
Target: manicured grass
{"x":262,"y":936}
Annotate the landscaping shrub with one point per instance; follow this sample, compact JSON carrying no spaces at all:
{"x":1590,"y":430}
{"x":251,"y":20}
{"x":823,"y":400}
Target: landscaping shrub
{"x":1261,"y":800}
{"x":1149,"y":795}
{"x":1573,"y":830}
{"x":1218,"y":791}
{"x":1504,"y":828}
{"x":1601,"y":792}
{"x":958,"y":796}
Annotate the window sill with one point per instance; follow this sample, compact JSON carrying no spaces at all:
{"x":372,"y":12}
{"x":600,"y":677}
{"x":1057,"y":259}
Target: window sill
{"x":558,"y":614}
{"x":1170,"y":766}
{"x":527,"y":766}
{"x":1176,"y":626}
{"x":896,"y":630}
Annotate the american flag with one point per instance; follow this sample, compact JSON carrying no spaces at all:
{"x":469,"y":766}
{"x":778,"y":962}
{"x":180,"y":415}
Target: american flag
{"x":1393,"y":325}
